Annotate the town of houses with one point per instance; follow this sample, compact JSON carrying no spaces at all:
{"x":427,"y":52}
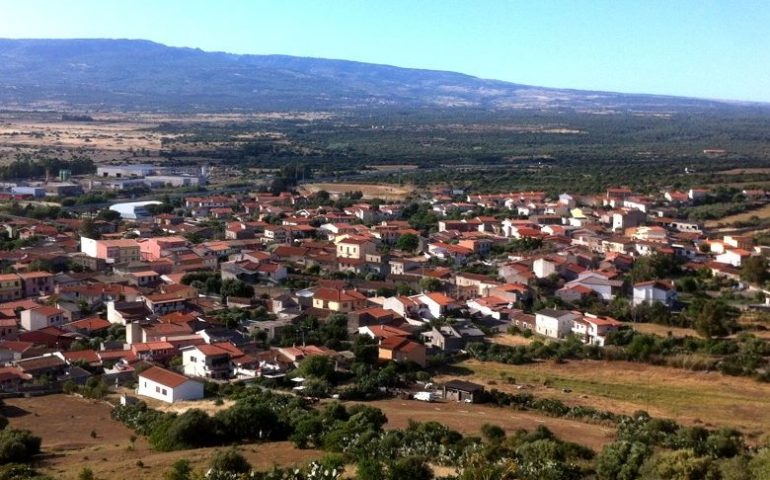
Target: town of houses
{"x":121,"y":304}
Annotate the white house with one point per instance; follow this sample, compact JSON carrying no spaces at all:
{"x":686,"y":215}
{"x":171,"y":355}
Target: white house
{"x":599,"y":283}
{"x":593,"y":329}
{"x":404,"y":306}
{"x":273,"y":272}
{"x":208,"y":361}
{"x":733,"y":257}
{"x":168,"y":386}
{"x":554,"y":323}
{"x":652,"y":292}
{"x":435,"y":304}
{"x":41,"y":317}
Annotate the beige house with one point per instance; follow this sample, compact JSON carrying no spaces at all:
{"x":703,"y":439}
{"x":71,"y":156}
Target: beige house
{"x":355,"y":247}
{"x":338,"y":300}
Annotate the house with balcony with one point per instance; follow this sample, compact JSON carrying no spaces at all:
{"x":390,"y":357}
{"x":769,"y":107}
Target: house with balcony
{"x":207,"y":361}
{"x":593,"y":329}
{"x":163,"y":303}
{"x":10,"y":287}
{"x":35,"y":284}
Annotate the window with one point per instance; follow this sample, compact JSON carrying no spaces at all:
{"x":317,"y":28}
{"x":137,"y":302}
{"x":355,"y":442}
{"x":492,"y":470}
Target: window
{"x":157,"y":389}
{"x":164,"y":391}
{"x":193,"y":359}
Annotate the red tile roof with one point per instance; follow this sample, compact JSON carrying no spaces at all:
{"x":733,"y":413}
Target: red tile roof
{"x":164,"y":377}
{"x":89,"y":356}
{"x":90,"y":323}
{"x":440,"y":298}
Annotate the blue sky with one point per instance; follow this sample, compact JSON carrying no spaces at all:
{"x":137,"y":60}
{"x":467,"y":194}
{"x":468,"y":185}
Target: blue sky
{"x":705,"y":48}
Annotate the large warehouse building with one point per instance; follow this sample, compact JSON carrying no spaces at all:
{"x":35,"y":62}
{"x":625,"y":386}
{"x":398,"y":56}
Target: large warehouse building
{"x":134,"y":210}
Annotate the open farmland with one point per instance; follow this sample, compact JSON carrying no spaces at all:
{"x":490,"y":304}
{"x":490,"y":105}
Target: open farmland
{"x":65,"y":424}
{"x":103,"y":141}
{"x":624,"y":387}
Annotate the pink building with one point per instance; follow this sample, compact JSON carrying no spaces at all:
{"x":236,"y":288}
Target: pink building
{"x":113,"y":251}
{"x":152,"y":248}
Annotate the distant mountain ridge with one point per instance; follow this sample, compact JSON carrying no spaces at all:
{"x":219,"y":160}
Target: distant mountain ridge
{"x":143,"y":75}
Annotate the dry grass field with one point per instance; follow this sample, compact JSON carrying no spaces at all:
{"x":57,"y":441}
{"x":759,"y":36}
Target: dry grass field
{"x":103,"y":141}
{"x":624,"y":387}
{"x":511,"y":340}
{"x":761,"y":213}
{"x":742,"y":171}
{"x":65,"y":424}
{"x":386,"y":192}
{"x":468,"y":419}
{"x":395,"y":168}
{"x":111,"y":137}
{"x":662,"y":330}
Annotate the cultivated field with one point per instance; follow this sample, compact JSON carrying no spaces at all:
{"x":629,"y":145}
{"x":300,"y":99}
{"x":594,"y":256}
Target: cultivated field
{"x":65,"y":424}
{"x":624,"y":387}
{"x":386,"y":192}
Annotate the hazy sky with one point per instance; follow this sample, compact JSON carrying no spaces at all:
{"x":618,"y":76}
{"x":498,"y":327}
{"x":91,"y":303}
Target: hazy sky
{"x":703,"y":48}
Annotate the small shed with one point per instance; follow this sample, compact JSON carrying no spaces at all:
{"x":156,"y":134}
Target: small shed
{"x":462,"y":391}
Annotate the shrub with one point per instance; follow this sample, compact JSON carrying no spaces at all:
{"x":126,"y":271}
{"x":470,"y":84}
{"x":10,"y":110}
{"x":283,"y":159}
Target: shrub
{"x":230,"y":460}
{"x":18,"y":446}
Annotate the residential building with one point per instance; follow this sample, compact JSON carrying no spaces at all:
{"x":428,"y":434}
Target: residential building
{"x":338,"y":300}
{"x":435,"y":304}
{"x":10,"y":287}
{"x":654,"y":291}
{"x":42,"y":317}
{"x":208,"y":361}
{"x":168,"y":386}
{"x":112,"y":251}
{"x":594,"y":329}
{"x":554,"y":323}
{"x":400,"y":349}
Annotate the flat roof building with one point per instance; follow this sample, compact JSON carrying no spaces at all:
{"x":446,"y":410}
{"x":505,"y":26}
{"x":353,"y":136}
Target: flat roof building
{"x":134,"y":210}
